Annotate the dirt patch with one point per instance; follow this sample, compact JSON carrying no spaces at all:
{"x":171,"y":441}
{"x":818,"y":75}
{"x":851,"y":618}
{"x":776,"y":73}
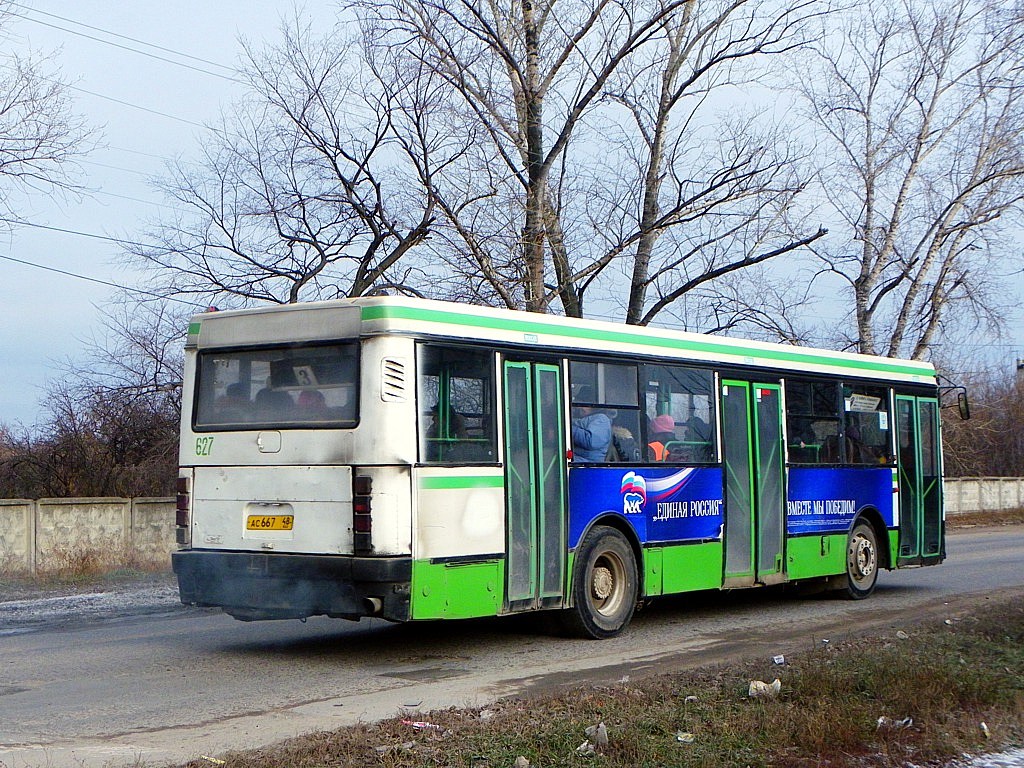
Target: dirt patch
{"x":978,"y":520}
{"x":27,"y":605}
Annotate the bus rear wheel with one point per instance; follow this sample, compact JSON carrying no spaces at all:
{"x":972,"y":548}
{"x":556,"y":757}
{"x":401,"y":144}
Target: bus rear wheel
{"x":861,"y":561}
{"x":604,"y":585}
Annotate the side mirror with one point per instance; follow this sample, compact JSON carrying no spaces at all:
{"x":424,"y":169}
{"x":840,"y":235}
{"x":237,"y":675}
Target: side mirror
{"x":963,"y":406}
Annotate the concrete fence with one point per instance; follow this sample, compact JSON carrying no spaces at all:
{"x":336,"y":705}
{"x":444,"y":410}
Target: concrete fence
{"x":982,"y":494}
{"x":37,"y":535}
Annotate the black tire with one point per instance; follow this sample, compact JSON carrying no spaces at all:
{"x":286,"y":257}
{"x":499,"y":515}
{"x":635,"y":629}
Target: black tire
{"x":861,"y":561}
{"x":604,"y":585}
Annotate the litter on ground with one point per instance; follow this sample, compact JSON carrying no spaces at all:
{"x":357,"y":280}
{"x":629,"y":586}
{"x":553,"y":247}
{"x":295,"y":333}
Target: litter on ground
{"x":761,"y":690}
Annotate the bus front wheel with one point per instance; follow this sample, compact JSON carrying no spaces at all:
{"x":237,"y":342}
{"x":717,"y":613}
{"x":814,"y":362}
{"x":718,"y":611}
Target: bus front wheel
{"x":604,"y":587}
{"x":861,"y":561}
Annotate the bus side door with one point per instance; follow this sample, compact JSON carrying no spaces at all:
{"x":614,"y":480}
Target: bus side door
{"x":535,"y":485}
{"x":755,"y":483}
{"x":920,"y":480}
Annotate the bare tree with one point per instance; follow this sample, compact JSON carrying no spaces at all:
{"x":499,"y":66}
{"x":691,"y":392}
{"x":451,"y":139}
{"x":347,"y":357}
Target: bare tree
{"x":527,"y":73}
{"x":489,"y":143}
{"x":560,"y":187}
{"x":919,"y":105}
{"x":306,"y":191}
{"x":138,"y":354}
{"x":991,"y":443}
{"x":753,"y":302}
{"x":40,"y":136}
{"x":708,"y":195}
{"x":111,"y":423}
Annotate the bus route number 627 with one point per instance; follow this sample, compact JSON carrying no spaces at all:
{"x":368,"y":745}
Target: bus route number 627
{"x":204,"y":445}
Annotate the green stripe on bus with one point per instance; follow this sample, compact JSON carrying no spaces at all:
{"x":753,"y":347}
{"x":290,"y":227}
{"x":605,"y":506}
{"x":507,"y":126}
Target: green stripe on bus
{"x":625,"y":337}
{"x":453,"y":483}
{"x":193,"y":328}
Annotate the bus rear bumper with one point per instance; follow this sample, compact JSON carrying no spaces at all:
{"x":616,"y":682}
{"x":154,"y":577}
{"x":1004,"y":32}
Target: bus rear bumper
{"x":252,"y":586}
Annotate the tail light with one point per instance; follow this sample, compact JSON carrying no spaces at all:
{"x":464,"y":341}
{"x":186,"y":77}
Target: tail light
{"x":362,"y":519}
{"x":181,"y":505}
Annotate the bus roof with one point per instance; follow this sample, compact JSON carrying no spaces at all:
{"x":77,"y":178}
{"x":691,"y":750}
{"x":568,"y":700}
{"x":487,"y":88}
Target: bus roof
{"x":348,"y":318}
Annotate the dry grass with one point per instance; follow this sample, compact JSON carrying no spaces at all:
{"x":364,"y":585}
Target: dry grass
{"x":81,"y":566}
{"x":948,"y":677}
{"x":981,"y":519}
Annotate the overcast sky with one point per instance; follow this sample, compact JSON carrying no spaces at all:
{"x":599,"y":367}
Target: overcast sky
{"x":148,"y":110}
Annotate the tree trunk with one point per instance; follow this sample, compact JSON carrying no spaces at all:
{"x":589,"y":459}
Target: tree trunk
{"x":533,"y":227}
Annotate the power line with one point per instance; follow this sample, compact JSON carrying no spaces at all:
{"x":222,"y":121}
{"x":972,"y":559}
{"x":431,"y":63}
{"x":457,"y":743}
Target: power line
{"x":126,"y":47}
{"x":123,"y":37}
{"x":139,"y":152}
{"x":136,"y":152}
{"x":114,"y":167}
{"x":137,"y":200}
{"x":15,"y":222}
{"x":140,"y":291}
{"x":136,"y":106}
{"x":157,"y":112}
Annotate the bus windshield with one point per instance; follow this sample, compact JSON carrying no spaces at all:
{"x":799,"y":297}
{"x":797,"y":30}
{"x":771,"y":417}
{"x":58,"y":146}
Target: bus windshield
{"x":279,"y":388}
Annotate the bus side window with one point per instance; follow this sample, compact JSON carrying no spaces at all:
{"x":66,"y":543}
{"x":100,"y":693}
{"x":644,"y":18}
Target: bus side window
{"x":456,"y":405}
{"x":679,"y":414}
{"x":866,"y":425}
{"x":813,"y":422}
{"x":606,"y":392}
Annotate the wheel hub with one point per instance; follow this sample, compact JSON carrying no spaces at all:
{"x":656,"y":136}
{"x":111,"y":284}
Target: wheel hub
{"x":864,"y":558}
{"x":602,"y":583}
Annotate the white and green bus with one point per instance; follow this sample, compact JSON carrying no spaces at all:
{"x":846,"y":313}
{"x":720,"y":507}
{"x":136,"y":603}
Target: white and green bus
{"x":411,"y":459}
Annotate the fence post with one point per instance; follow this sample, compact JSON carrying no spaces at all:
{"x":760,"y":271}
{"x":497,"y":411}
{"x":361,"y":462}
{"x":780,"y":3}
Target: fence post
{"x":127,"y":519}
{"x":33,"y":535}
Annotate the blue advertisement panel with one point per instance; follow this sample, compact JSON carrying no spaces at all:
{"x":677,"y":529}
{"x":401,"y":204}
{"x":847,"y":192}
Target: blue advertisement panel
{"x":827,"y":499}
{"x":662,"y":504}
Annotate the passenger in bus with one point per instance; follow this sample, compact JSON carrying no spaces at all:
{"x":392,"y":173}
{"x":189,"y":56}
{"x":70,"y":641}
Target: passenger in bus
{"x":697,"y":435}
{"x":801,"y":433}
{"x":830,"y":450}
{"x":234,"y":405}
{"x":803,"y":441}
{"x":443,"y":441}
{"x":273,"y":404}
{"x":456,"y":425}
{"x":661,"y":432}
{"x":858,"y":451}
{"x":311,"y":404}
{"x":623,"y":447}
{"x":697,"y":430}
{"x":591,"y":430}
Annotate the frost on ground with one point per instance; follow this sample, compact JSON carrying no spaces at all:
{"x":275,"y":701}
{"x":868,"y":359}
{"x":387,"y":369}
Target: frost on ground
{"x":1012,"y":759}
{"x":23,"y":610}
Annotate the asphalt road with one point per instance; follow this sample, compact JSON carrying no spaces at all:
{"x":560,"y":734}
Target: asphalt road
{"x":170,"y":687}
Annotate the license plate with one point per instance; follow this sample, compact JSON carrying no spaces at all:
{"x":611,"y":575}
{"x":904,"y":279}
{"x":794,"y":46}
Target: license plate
{"x":269,"y":522}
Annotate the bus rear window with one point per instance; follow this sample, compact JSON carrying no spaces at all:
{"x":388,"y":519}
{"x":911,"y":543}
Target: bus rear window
{"x":282,"y":388}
